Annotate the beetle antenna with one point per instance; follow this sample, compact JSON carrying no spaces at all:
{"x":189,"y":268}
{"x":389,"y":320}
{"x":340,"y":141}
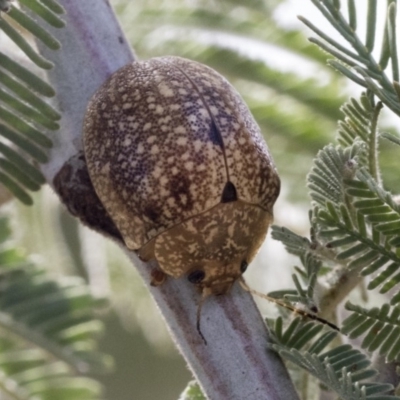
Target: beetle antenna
{"x":204,"y":295}
{"x":281,"y":303}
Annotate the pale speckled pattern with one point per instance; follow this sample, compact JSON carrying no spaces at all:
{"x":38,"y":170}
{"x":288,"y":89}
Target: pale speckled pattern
{"x":162,"y":138}
{"x":216,"y":241}
{"x":247,"y":157}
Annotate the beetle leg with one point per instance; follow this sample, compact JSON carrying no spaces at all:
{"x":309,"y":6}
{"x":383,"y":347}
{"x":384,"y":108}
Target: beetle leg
{"x":158,"y":277}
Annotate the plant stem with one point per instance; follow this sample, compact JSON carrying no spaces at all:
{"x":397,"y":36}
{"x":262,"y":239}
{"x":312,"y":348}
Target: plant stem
{"x":373,"y":144}
{"x":341,"y":282}
{"x":235,"y":364}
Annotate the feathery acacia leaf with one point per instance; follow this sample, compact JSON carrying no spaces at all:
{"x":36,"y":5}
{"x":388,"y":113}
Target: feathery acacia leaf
{"x":369,"y":249}
{"x":294,"y":244}
{"x":343,"y":369}
{"x":381,"y":327}
{"x":356,"y":61}
{"x":26,"y":119}
{"x":359,"y":223}
{"x":355,"y":223}
{"x":355,"y":217}
{"x":47,"y":331}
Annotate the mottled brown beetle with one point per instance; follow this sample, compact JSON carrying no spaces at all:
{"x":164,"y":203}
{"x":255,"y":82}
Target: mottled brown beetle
{"x":181,"y":167}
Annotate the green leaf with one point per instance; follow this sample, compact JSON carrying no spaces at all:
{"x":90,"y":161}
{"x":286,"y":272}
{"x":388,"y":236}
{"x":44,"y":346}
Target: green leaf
{"x":343,"y":369}
{"x":24,"y":45}
{"x":355,"y":59}
{"x":15,"y":189}
{"x":30,"y":25}
{"x":359,"y":218}
{"x":294,"y":244}
{"x":48,"y":14}
{"x":192,"y":392}
{"x":381,"y":327}
{"x":25,"y":117}
{"x":33,"y":81}
{"x":48,"y":332}
{"x":394,"y":139}
{"x":371,"y":25}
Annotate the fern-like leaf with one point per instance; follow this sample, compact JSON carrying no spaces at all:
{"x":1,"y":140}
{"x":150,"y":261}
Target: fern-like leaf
{"x":331,"y":166}
{"x":355,"y":217}
{"x":311,"y":253}
{"x":343,"y":369}
{"x":47,"y":332}
{"x":24,"y":114}
{"x":356,"y":60}
{"x":294,"y":243}
{"x":360,"y":123}
{"x":369,"y":240}
{"x":381,"y":327}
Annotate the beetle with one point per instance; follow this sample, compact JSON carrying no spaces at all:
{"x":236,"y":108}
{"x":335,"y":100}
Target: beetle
{"x":181,"y":167}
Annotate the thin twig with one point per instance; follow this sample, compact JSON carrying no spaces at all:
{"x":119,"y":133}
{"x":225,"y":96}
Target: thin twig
{"x":373,"y":160}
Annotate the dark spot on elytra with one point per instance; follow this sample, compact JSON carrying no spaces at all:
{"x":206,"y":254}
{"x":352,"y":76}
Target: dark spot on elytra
{"x":180,"y":191}
{"x":229,"y":193}
{"x":215,"y":135}
{"x":121,"y":39}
